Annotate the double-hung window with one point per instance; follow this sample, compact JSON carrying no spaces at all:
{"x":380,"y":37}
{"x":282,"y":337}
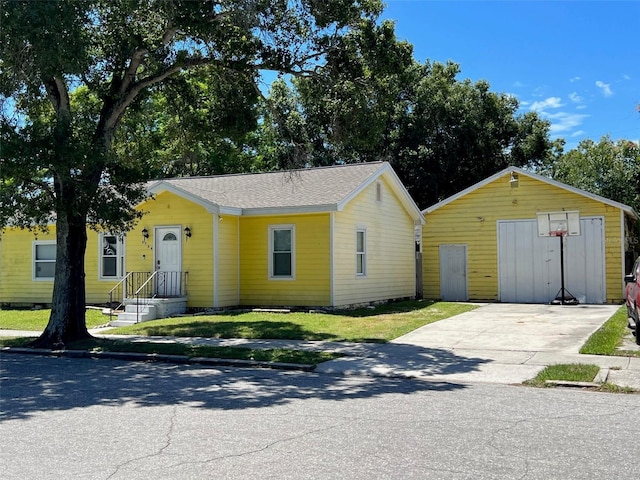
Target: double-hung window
{"x":361,"y":252}
{"x":282,"y":252}
{"x":111,"y":256}
{"x":44,"y":260}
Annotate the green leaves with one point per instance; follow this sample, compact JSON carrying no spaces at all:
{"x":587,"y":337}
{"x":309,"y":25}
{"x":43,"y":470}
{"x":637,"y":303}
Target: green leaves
{"x":607,"y":168}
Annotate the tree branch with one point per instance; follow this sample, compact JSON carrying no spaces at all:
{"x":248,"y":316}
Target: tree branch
{"x":58,"y":95}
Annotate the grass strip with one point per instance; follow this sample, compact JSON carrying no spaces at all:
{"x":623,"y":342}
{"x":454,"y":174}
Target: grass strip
{"x":36,"y":320}
{"x":607,"y":338}
{"x":574,"y":372}
{"x":206,"y":351}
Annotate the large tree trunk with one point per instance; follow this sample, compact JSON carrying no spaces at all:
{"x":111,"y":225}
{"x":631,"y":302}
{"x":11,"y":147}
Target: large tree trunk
{"x":67,"y":320}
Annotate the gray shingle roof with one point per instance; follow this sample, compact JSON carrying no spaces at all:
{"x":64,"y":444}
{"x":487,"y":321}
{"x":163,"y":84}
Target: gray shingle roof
{"x":312,"y":187}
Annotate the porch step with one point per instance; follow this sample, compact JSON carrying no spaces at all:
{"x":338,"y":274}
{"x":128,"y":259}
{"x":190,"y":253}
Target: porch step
{"x":134,"y":314}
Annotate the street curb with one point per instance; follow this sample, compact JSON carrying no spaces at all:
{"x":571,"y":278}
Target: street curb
{"x":157,"y":357}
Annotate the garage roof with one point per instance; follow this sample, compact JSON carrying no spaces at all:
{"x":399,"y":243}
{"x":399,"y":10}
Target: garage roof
{"x":625,"y":208}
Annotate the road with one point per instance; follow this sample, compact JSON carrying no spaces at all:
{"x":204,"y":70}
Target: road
{"x":103,"y":419}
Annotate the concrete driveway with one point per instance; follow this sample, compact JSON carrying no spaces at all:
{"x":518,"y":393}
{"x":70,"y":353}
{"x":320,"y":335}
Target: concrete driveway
{"x":514,"y":327}
{"x":496,"y":343}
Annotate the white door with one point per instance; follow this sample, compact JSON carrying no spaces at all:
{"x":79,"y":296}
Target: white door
{"x":168,"y":260}
{"x":529,"y":266}
{"x":453,"y":273}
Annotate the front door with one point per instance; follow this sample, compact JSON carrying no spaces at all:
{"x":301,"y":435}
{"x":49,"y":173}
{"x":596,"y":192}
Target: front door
{"x":168,"y":261}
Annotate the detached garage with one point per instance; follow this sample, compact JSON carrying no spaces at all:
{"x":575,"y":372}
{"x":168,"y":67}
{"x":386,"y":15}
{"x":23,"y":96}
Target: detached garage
{"x":496,"y":241}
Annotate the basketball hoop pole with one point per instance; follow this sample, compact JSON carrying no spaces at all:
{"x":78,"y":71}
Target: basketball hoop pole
{"x":563,"y":297}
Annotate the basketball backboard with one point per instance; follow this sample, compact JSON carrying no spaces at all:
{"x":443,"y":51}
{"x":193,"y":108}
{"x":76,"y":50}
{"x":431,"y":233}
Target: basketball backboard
{"x":558,"y":223}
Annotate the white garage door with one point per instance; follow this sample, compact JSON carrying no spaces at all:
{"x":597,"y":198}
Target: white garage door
{"x":529,"y":266}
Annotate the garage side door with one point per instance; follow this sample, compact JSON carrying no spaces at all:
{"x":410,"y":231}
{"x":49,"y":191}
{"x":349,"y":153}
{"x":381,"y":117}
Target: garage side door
{"x":453,"y":273}
{"x":529,"y":266}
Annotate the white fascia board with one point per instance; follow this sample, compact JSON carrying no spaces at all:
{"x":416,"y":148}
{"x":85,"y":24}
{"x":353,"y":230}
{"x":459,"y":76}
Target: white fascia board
{"x":458,"y":195}
{"x":332,"y":207}
{"x":397,"y":187}
{"x":168,"y":187}
{"x":542,"y":178}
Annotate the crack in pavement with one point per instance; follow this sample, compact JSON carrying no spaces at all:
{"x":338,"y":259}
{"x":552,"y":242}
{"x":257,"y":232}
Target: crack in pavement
{"x":160,"y":451}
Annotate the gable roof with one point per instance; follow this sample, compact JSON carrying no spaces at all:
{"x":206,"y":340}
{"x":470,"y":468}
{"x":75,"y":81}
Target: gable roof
{"x":507,"y":171}
{"x":291,"y":191}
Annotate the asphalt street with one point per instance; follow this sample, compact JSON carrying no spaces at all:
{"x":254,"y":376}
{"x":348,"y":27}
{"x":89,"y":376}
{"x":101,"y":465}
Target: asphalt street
{"x":106,"y":419}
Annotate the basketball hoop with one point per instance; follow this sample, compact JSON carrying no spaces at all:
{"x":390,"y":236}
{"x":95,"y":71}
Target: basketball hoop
{"x":557,"y":233}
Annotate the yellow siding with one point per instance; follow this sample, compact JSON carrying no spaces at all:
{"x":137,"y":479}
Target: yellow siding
{"x":168,"y":209}
{"x":228,"y":262}
{"x":17,"y":285}
{"x":311,"y":286}
{"x":390,"y":249}
{"x":472,"y":220}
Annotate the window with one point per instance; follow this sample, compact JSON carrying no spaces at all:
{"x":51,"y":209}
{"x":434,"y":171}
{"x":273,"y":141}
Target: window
{"x":281,"y":251}
{"x":44,"y":260}
{"x":361,"y":252}
{"x":111,"y":256}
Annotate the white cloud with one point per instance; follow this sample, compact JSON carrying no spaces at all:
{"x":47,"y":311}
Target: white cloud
{"x":605,"y":87}
{"x":574,"y":79}
{"x":551,"y":102}
{"x":577,"y":133}
{"x":575,"y":98}
{"x":626,"y":77}
{"x":563,"y":122}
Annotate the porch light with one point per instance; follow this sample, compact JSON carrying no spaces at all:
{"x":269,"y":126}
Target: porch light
{"x":187,"y":232}
{"x":145,"y":232}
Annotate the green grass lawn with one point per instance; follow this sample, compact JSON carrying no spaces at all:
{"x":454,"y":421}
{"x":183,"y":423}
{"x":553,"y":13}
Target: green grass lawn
{"x":573,"y":372}
{"x":606,"y":339}
{"x":36,"y":320}
{"x":378,"y":324}
{"x":264,"y":355}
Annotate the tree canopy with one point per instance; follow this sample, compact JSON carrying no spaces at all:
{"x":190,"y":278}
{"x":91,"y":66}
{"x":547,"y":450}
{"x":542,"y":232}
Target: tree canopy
{"x":607,"y":168}
{"x":74,"y":74}
{"x":373,"y":101}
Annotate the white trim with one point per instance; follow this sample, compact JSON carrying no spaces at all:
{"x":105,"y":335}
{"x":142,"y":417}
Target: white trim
{"x":626,"y":208}
{"x":272,"y":228}
{"x":237,"y":256}
{"x":216,"y":260}
{"x":330,"y":207}
{"x":33,"y":260}
{"x":121,"y":258}
{"x":396,"y":185}
{"x":163,"y":186}
{"x":332,"y":259}
{"x":623,"y":236}
{"x":363,"y":230}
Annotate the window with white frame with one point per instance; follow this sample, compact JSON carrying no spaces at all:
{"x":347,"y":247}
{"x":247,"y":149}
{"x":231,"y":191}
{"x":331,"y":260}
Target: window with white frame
{"x":281,"y":251}
{"x":111,"y":256}
{"x":361,"y":252}
{"x":44,"y":259}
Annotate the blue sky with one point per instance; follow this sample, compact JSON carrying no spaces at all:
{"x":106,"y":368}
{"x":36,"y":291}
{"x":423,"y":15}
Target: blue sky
{"x":576,"y":63}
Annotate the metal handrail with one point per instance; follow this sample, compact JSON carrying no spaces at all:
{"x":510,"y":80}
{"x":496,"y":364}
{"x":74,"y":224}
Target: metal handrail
{"x":147,"y":285}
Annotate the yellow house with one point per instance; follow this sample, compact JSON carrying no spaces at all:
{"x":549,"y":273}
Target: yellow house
{"x":496,"y":241}
{"x":318,"y":237}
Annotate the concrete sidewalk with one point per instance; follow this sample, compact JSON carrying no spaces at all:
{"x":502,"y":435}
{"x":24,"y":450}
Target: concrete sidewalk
{"x":496,"y":343}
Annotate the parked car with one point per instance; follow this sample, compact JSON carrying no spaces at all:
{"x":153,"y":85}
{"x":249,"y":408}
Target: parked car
{"x":632,"y":294}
